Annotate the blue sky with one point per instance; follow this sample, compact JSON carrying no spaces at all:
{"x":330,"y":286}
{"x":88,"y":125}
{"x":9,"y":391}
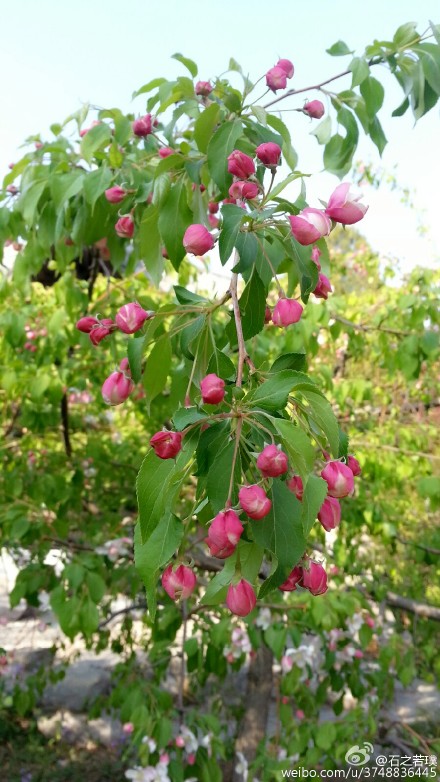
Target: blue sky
{"x":61,"y":55}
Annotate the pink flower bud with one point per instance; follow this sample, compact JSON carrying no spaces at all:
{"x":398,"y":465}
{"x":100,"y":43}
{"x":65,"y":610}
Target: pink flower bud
{"x":314,"y":108}
{"x":241,"y":598}
{"x":166,"y":444}
{"x":315,"y":578}
{"x":38,"y":145}
{"x":213,"y":207}
{"x":276,"y":78}
{"x":354,"y":465}
{"x":224,"y":534}
{"x":203,"y":88}
{"x":287,"y":67}
{"x":310,"y":225}
{"x":285,"y":700}
{"x":293,"y":579}
{"x":12,"y":189}
{"x":166,"y":152}
{"x":272,"y":462}
{"x":296,"y":486}
{"x":339,"y":479}
{"x":330,"y":513}
{"x":269,"y":154}
{"x":344,"y":206}
{"x":369,"y":621}
{"x":117,"y":388}
{"x":179,"y":583}
{"x":299,"y":714}
{"x":115,"y":194}
{"x":191,"y":759}
{"x":128,"y":727}
{"x":240,"y":165}
{"x":359,"y":654}
{"x":131,"y":317}
{"x":180,"y":742}
{"x":323,"y":287}
{"x":102,"y":330}
{"x":243,"y":190}
{"x":164,"y":758}
{"x":315,"y":256}
{"x":286,"y":312}
{"x":254,"y":501}
{"x":213,"y":389}
{"x":143,"y":126}
{"x":125,"y":227}
{"x":197,"y":239}
{"x":213,"y":221}
{"x":86,"y":324}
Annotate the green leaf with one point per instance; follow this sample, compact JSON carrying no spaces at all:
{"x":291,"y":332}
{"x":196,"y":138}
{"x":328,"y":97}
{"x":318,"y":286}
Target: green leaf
{"x":360,"y":70}
{"x":430,"y":58}
{"x":232,"y":219}
{"x":297,"y":445}
{"x":189,"y":64}
{"x":135,"y":352}
{"x":222,"y":365}
{"x":158,"y":484}
{"x":281,"y":533}
{"x":322,"y":413}
{"x":323,"y":131}
{"x":174,"y":218}
{"x":406,"y":34}
{"x":289,"y":153}
{"x":150,"y":244}
{"x":184,"y":296}
{"x":95,"y":183}
{"x":97,"y":137}
{"x":287,"y":181}
{"x":253,"y":306}
{"x":251,"y":556}
{"x":204,"y":126}
{"x":151,"y":85}
{"x":151,"y":556}
{"x":186,"y":416}
{"x":377,"y":135}
{"x":401,"y":109}
{"x":273,"y":393}
{"x":96,"y":585}
{"x":315,"y":492}
{"x":219,"y":148}
{"x":295,"y":361}
{"x":157,"y":368}
{"x":275,"y":638}
{"x":325,"y":735}
{"x":28,"y":201}
{"x":218,"y":478}
{"x":88,"y":617}
{"x":339,"y":49}
{"x":435,"y":31}
{"x":65,"y":186}
{"x":260,"y":114}
{"x":373,"y":95}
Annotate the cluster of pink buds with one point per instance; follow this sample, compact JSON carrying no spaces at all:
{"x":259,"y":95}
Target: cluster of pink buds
{"x":276,"y":77}
{"x":129,"y":319}
{"x":343,"y":207}
{"x":310,"y":575}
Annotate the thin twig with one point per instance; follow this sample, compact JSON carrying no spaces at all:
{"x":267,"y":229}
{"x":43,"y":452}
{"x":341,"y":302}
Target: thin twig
{"x":234,"y":458}
{"x":126,"y":610}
